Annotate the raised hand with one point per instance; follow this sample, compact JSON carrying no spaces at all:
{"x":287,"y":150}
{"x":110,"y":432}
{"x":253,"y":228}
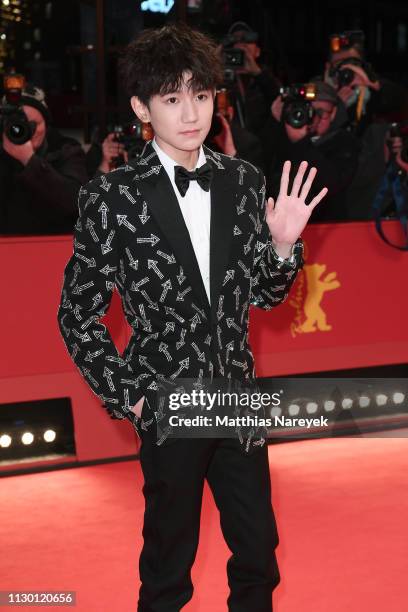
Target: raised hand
{"x":361,"y":77}
{"x":288,"y":217}
{"x":224,"y":139}
{"x":111,"y":149}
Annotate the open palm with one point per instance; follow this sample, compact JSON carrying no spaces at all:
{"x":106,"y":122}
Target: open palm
{"x":288,"y":217}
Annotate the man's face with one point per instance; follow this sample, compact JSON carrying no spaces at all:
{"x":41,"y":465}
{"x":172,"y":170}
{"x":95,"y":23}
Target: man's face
{"x":181,"y":119}
{"x":325,"y":113}
{"x":34,"y":115}
{"x":252,"y":48}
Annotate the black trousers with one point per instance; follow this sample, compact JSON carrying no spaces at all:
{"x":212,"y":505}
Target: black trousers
{"x":173,"y":487}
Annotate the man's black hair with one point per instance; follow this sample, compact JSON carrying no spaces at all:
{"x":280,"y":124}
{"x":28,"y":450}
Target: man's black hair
{"x":154,"y":63}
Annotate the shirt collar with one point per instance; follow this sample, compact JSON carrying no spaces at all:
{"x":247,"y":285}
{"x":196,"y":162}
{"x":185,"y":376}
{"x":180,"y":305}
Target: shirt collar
{"x":169,"y":163}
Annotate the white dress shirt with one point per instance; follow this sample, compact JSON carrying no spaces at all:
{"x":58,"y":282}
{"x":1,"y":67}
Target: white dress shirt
{"x":196,"y":209}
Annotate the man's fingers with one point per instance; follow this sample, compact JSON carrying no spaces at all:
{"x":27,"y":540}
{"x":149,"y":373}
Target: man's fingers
{"x":317,"y":198}
{"x":115,"y":149}
{"x":270,"y":205}
{"x":298,"y":179}
{"x":283,"y":191}
{"x":308,"y":183}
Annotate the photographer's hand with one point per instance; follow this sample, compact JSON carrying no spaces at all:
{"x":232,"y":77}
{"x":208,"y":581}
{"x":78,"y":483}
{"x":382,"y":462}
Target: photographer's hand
{"x":23,"y":153}
{"x":276,"y":108}
{"x":224,"y":140}
{"x":361,"y":77}
{"x":250,"y":66}
{"x":296,"y":134}
{"x":288,"y":217}
{"x":111,"y":149}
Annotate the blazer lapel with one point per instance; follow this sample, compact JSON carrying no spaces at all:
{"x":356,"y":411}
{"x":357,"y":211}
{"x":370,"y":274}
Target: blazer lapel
{"x":157,"y":190}
{"x":223,"y":189}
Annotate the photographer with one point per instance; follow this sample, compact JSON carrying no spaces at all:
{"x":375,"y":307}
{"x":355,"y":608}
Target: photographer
{"x":253,"y":84}
{"x":102,"y":158}
{"x":391,"y":198}
{"x":306,"y":124}
{"x":399,"y":148}
{"x":227,"y":136}
{"x":120,"y":144}
{"x":112,"y":150}
{"x":396,"y":146}
{"x":41,"y":171}
{"x":366,"y":95}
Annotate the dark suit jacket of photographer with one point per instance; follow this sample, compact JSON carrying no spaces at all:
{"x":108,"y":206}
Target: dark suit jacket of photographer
{"x":41,"y":197}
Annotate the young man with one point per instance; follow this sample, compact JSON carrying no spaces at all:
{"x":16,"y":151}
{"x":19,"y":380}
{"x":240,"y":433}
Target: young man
{"x":185,"y":237}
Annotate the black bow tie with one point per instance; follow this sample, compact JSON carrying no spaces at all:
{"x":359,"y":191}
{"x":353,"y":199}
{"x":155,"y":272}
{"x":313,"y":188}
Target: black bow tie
{"x":203,"y":175}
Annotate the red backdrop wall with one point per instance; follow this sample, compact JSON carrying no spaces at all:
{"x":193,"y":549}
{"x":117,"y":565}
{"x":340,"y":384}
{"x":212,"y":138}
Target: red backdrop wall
{"x":347,"y":309}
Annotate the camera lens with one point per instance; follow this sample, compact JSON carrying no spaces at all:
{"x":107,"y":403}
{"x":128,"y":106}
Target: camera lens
{"x":345,"y":77}
{"x":18,"y":129}
{"x":297,"y":114}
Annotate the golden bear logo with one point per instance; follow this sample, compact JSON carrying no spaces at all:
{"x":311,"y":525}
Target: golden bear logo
{"x":310,"y":316}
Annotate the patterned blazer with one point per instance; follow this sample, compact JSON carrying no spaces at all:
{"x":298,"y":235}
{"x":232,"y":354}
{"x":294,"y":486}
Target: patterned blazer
{"x":130,"y":234}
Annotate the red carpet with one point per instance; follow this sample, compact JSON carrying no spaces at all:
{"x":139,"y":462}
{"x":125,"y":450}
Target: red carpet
{"x":341,"y":507}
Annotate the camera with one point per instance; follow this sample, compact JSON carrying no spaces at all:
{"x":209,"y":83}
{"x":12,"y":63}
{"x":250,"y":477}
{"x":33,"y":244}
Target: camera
{"x":297,"y":108}
{"x":223,"y":100}
{"x":13,"y":120}
{"x":133,"y":138}
{"x":345,"y":76}
{"x":232,"y":58}
{"x":400,"y":130}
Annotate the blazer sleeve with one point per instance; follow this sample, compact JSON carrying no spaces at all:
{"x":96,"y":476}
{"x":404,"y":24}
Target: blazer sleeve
{"x":272,"y":277}
{"x":88,"y":284}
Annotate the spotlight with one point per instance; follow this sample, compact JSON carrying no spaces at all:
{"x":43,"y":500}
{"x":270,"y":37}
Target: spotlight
{"x":37,"y":431}
{"x":363,"y":401}
{"x":5,"y":441}
{"x":347,"y":403}
{"x":276,"y":411}
{"x":398,"y":398}
{"x":381,"y":399}
{"x":49,"y":435}
{"x":329,"y":405}
{"x":311,"y":407}
{"x":293,"y":409}
{"x":27,"y":438}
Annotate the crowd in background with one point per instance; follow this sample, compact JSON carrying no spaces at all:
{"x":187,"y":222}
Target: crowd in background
{"x":338,"y":121}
